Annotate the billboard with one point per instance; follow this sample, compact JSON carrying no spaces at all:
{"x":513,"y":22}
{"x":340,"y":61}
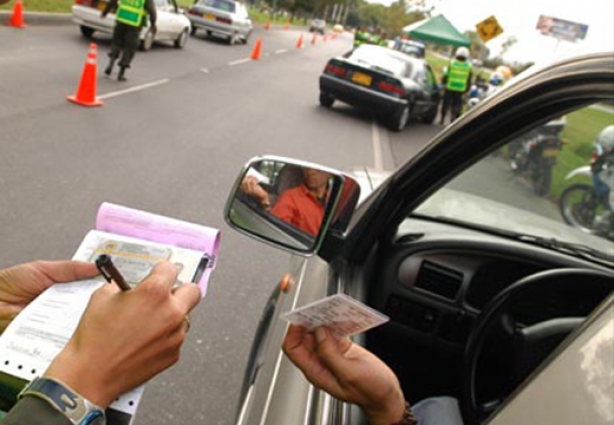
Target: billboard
{"x":561,"y":29}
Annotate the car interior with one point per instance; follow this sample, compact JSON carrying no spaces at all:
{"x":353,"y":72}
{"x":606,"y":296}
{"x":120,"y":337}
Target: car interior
{"x":433,"y":276}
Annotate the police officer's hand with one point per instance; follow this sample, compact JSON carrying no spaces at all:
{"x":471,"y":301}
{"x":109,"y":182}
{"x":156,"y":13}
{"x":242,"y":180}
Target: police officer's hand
{"x":21,"y":284}
{"x":126,"y":338}
{"x":251,"y":187}
{"x":347,"y":372}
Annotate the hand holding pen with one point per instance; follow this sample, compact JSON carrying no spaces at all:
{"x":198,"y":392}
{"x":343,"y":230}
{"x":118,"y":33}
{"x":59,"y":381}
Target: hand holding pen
{"x":110,"y":273}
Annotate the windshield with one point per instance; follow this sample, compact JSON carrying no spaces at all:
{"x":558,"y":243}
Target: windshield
{"x":382,"y":59}
{"x":226,"y":6}
{"x":549,"y":182}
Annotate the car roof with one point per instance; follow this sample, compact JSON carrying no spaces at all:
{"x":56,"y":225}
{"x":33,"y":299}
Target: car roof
{"x":390,"y":52}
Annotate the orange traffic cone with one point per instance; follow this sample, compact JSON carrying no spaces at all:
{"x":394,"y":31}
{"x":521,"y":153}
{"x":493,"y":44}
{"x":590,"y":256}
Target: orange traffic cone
{"x":325,"y":38}
{"x":299,"y":42}
{"x":86,"y":93}
{"x":17,"y":18}
{"x":314,"y":39}
{"x":257,"y":48}
{"x":268,"y":25}
{"x":287,"y":26}
{"x":333,"y":36}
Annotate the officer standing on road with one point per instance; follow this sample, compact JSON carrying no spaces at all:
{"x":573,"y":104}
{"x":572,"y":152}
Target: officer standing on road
{"x":129,"y":19}
{"x":361,"y":36}
{"x":457,"y":81}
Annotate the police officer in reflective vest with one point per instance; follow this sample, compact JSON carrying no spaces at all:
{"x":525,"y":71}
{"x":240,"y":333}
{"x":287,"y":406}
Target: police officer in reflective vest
{"x":361,"y":36}
{"x":457,"y":81}
{"x":129,"y":19}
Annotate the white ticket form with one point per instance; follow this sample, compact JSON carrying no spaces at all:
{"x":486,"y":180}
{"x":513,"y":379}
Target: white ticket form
{"x":342,"y":314}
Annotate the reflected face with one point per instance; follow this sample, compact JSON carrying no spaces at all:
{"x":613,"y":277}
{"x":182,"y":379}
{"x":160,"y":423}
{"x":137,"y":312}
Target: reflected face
{"x":315,"y":179}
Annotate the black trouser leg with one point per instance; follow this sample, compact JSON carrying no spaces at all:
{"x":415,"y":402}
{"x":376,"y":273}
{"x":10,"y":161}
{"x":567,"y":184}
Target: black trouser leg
{"x":457,"y":104}
{"x":445,"y":105}
{"x":131,"y":43}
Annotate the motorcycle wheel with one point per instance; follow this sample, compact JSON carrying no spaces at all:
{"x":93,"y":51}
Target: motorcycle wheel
{"x":541,"y":177}
{"x":578,"y":206}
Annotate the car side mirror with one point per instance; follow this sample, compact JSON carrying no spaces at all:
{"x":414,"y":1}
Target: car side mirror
{"x":291,"y":204}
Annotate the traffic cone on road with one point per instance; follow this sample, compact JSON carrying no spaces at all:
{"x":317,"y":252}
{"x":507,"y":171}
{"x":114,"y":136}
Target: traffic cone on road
{"x":325,"y":38}
{"x":257,"y":49}
{"x":333,"y":36}
{"x":17,"y":17}
{"x":314,"y":39}
{"x":268,"y":25}
{"x":287,"y":26}
{"x":299,"y":42}
{"x":86,"y":93}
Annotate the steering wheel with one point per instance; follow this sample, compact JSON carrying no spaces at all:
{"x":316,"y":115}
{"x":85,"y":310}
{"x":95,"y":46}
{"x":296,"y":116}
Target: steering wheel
{"x":529,"y":345}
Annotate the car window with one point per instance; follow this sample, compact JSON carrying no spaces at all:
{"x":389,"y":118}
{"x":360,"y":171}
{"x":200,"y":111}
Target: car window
{"x":554,"y":181}
{"x":224,"y":5}
{"x":381,"y":59}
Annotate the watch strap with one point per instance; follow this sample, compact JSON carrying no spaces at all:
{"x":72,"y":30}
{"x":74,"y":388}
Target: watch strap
{"x":76,"y":408}
{"x":408,"y":417}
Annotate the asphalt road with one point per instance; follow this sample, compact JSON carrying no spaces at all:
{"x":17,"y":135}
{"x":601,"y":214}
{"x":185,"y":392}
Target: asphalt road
{"x":174,"y":146}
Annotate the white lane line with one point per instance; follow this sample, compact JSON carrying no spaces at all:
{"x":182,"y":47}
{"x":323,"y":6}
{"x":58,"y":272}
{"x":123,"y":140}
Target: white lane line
{"x":133,"y":89}
{"x":239,"y":62}
{"x":280,"y":51}
{"x":377,"y":146}
{"x":205,"y":70}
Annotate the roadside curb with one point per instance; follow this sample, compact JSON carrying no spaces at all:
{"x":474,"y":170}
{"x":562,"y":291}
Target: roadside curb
{"x":39,"y":18}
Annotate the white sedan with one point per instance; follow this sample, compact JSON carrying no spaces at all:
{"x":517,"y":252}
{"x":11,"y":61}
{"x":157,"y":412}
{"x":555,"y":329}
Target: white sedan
{"x":172,"y":24}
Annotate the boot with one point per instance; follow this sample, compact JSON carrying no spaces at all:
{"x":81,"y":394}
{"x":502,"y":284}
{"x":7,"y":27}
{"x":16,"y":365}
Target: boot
{"x":120,"y":76}
{"x":109,"y":67}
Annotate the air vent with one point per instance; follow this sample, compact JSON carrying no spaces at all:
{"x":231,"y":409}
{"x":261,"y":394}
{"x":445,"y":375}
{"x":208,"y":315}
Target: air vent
{"x":439,"y":280}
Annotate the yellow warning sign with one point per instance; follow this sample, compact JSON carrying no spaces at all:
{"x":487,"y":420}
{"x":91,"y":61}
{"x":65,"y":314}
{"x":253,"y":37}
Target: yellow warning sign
{"x":489,"y":28}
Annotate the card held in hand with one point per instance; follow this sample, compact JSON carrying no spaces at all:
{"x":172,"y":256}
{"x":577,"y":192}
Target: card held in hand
{"x":342,"y":314}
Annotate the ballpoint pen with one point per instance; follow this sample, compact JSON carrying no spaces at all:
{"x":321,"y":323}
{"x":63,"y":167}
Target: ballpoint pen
{"x":110,"y":273}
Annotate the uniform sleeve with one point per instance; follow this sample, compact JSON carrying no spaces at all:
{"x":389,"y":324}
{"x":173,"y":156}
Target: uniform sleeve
{"x":34,"y":411}
{"x":150,"y":6}
{"x":110,"y":6}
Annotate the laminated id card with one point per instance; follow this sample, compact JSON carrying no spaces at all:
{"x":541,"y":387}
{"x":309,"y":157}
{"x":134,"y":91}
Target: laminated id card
{"x":342,"y":314}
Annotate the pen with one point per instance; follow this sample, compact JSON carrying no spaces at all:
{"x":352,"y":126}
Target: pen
{"x":110,"y":273}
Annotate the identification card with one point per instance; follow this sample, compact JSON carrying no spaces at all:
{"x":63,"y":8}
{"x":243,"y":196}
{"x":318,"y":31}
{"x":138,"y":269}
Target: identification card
{"x":134,"y":261}
{"x":342,"y":314}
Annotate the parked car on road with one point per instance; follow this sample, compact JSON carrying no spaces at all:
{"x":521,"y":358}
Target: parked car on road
{"x":172,"y":25}
{"x":493,"y":299}
{"x":412,"y":47}
{"x":318,"y":25}
{"x":221,"y":18}
{"x":388,"y":83}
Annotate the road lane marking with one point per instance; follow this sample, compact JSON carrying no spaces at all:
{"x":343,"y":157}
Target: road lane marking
{"x":377,"y":146}
{"x":239,"y":62}
{"x":280,"y":51}
{"x":205,"y":70}
{"x":133,"y":89}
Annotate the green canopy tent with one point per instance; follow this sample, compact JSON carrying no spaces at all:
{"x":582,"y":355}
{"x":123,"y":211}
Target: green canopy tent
{"x":437,"y":30}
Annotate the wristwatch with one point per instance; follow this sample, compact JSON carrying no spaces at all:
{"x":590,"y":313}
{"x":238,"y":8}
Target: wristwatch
{"x":76,"y":408}
{"x":408,"y":417}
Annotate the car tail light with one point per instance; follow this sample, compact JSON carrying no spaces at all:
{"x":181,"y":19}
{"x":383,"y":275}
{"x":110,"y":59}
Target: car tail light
{"x":336,"y":70}
{"x":194,"y":12}
{"x":391,"y":88}
{"x":224,"y":20}
{"x":78,"y":1}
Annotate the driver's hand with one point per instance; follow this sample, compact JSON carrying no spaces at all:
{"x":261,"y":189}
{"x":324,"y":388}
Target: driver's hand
{"x":347,"y":372}
{"x":252,"y":188}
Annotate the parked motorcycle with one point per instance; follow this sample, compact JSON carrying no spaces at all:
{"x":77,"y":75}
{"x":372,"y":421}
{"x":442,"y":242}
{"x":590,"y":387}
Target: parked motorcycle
{"x":536,"y":152}
{"x":586,"y":208}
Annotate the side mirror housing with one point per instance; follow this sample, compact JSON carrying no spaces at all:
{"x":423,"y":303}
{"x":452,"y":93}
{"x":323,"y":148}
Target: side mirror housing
{"x":290,"y":204}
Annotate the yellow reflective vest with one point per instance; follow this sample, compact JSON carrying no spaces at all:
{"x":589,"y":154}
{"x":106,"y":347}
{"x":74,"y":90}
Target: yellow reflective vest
{"x":458,"y":74}
{"x":131,"y":12}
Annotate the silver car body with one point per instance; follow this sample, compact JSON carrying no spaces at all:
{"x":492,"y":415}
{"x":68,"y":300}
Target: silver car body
{"x":171,"y":23}
{"x":223,"y":18}
{"x":573,"y":385}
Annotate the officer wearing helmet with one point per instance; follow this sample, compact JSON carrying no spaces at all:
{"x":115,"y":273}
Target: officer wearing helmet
{"x":603,"y":160}
{"x":457,"y":81}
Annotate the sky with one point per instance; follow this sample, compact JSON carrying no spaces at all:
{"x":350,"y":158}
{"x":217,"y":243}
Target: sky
{"x":519,"y":18}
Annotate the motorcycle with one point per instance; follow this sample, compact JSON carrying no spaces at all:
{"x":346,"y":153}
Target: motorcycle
{"x":587,"y":208}
{"x":536,"y":154}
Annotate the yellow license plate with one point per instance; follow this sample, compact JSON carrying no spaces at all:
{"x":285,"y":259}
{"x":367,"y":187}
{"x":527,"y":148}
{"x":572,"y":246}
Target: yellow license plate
{"x":550,"y":153}
{"x":210,"y":17}
{"x":361,"y":78}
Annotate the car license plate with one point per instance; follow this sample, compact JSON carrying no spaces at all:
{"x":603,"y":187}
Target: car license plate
{"x":550,"y":153}
{"x":210,"y":17}
{"x":361,"y":78}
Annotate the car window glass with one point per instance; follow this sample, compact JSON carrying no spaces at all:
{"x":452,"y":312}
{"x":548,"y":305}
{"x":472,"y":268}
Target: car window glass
{"x":555,"y":181}
{"x":224,"y":5}
{"x":381,"y":59}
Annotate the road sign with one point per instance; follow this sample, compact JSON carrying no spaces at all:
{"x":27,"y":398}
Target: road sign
{"x":489,"y":28}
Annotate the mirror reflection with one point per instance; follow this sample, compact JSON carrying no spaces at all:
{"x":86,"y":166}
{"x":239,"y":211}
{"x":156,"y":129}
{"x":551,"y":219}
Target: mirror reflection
{"x":283,"y":202}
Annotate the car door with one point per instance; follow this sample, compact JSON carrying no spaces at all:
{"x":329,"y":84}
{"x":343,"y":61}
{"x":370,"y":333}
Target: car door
{"x":164,"y":21}
{"x":424,"y":100}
